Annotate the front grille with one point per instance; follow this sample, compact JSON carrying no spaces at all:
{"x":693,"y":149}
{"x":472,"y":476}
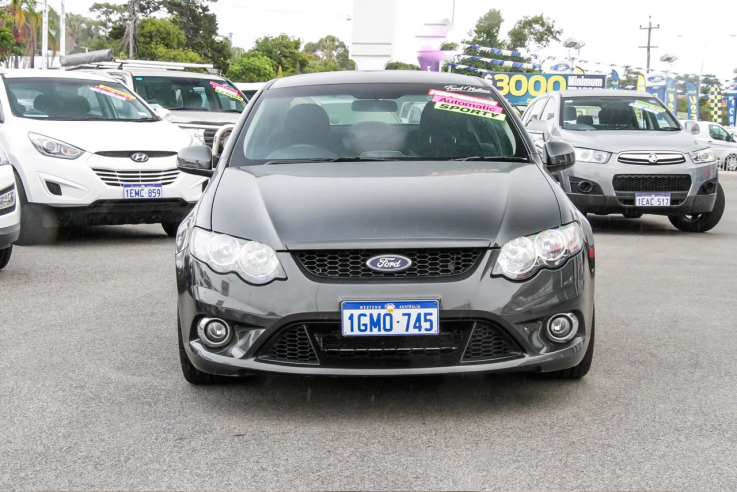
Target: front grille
{"x":210,"y":137}
{"x":322,"y":343}
{"x":652,"y":182}
{"x":651,"y":158}
{"x":128,"y":153}
{"x":120,"y":178}
{"x":426,"y":263}
{"x":488,"y":343}
{"x":6,"y":211}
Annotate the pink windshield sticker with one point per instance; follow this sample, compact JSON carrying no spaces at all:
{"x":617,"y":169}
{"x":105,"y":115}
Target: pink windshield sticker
{"x":228,"y":91}
{"x":109,"y":91}
{"x":435,"y":92}
{"x":485,"y":106}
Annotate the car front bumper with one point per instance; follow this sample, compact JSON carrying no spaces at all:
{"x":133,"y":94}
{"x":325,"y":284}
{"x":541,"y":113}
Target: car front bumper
{"x":604,"y":199}
{"x":261,"y":315}
{"x":9,"y":216}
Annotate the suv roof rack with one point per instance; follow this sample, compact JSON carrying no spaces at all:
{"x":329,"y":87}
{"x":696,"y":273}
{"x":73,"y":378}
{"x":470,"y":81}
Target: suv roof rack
{"x":165,"y":65}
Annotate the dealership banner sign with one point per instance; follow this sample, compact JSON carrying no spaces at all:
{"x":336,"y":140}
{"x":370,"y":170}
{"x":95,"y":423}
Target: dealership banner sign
{"x":522,"y":88}
{"x":732,"y":108}
{"x":692,"y":94}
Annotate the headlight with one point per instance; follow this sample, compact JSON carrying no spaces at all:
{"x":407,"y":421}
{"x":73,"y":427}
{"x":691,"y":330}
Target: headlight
{"x":703,"y":155}
{"x":255,"y":262}
{"x":521,"y":257}
{"x":589,"y":155}
{"x":54,"y":148}
{"x":7,"y":199}
{"x":197,"y":134}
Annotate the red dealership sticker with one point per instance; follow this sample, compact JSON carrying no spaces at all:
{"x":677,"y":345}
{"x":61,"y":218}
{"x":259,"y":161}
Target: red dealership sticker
{"x":484,"y":106}
{"x":435,"y":92}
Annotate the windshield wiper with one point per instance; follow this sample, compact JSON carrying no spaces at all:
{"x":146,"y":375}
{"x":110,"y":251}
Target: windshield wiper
{"x":491,"y":158}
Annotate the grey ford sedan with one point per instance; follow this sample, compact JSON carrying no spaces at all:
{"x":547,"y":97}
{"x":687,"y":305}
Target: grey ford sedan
{"x":632,"y":157}
{"x":372,"y":245}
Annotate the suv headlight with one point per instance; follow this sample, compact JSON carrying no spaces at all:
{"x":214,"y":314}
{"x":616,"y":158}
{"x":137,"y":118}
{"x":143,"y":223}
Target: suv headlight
{"x":54,"y":148}
{"x":703,"y":155}
{"x":254,"y":262}
{"x":197,"y":134}
{"x":521,"y":257}
{"x":589,"y":155}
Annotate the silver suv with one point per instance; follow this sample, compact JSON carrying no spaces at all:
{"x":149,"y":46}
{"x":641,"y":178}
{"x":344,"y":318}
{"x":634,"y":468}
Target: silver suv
{"x":632,"y":157}
{"x":199,"y":103}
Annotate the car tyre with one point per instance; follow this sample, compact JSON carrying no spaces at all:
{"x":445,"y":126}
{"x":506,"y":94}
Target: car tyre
{"x":170,"y":228}
{"x":5,"y":256}
{"x":191,"y":374}
{"x":580,"y":370}
{"x":38,"y":223}
{"x":702,"y":222}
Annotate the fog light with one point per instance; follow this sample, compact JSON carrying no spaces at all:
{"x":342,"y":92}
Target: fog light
{"x":585,"y":187}
{"x":562,"y":327}
{"x":214,"y":332}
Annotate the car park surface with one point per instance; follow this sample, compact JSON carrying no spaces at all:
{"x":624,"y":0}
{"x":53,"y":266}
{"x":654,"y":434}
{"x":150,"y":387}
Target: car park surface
{"x":93,"y":396}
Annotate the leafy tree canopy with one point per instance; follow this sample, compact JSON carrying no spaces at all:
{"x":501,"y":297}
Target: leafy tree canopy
{"x":252,"y":67}
{"x":401,"y":66}
{"x":283,"y":51}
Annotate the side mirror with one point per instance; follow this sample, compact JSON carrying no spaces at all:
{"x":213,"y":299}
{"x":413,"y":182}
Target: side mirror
{"x":538,"y":130}
{"x":163,"y":113}
{"x":695,"y":129}
{"x":196,"y":160}
{"x":560,"y":156}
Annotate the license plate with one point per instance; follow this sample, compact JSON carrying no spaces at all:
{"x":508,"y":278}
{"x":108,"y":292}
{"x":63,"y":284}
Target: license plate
{"x":653,"y":200}
{"x":390,"y":318}
{"x":141,"y":191}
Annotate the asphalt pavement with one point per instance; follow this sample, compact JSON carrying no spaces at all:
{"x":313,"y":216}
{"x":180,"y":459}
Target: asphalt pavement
{"x":92,"y":396}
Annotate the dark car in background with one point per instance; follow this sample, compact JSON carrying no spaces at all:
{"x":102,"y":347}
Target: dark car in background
{"x":372,"y":244}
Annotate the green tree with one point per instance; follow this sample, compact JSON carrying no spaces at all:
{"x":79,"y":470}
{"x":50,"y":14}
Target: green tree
{"x":162,"y":40}
{"x":283,"y":51}
{"x":401,"y":66}
{"x":251,"y":67}
{"x":200,"y":27}
{"x":330,"y":54}
{"x":533,"y":33}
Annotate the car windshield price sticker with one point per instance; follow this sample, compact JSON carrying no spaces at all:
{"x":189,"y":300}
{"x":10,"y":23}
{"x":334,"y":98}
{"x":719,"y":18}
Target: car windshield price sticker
{"x":395,"y":318}
{"x":228,"y":91}
{"x":647,"y":106}
{"x":109,"y":91}
{"x":483,"y":113}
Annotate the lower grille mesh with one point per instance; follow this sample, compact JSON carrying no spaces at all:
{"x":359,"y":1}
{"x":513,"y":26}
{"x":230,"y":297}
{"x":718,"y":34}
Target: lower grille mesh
{"x":486,"y":343}
{"x":651,"y":182}
{"x":293,"y":346}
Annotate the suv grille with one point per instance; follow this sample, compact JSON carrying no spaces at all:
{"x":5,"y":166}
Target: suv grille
{"x":128,"y":153}
{"x":644,"y":158}
{"x":426,"y":263}
{"x":210,"y":137}
{"x":120,"y":178}
{"x":652,"y":182}
{"x":322,"y":343}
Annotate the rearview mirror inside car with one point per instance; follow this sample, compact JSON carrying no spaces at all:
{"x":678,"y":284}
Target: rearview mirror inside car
{"x":374,"y":106}
{"x":538,"y":129}
{"x":195,"y":160}
{"x":560,"y":156}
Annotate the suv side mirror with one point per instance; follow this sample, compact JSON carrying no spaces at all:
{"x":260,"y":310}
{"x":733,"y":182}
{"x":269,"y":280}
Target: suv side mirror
{"x":163,"y":113}
{"x":560,"y":156}
{"x":538,"y":129}
{"x":196,"y":160}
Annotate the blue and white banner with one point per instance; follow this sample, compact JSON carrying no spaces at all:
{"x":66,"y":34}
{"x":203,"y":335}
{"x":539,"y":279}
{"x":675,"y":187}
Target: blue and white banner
{"x":614,"y":80}
{"x":670,"y":94}
{"x":732,"y":108}
{"x":692,"y":95}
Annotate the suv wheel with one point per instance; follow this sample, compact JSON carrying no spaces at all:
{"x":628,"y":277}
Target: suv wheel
{"x":5,"y":256}
{"x":702,"y":222}
{"x":730,"y":162}
{"x":170,"y":228}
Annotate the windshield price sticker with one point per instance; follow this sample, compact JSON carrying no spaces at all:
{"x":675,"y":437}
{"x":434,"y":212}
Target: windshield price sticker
{"x":466,"y":104}
{"x":647,"y":106}
{"x":109,"y":91}
{"x":228,"y":91}
{"x":470,"y":111}
{"x":435,"y":92}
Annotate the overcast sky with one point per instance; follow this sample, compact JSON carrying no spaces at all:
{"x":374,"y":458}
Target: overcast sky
{"x":611,"y":31}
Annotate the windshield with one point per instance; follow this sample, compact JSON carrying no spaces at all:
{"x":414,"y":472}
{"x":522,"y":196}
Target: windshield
{"x":193,"y":94}
{"x":377,"y":121}
{"x":75,"y":100}
{"x":616,"y":113}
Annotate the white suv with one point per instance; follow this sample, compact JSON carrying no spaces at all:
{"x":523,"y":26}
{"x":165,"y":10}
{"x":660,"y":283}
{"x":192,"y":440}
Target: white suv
{"x":9,"y":213}
{"x":89,"y":151}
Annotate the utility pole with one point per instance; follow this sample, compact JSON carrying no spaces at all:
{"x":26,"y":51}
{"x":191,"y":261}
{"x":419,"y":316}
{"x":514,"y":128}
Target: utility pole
{"x":649,"y":34}
{"x":44,"y":35}
{"x":63,"y":31}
